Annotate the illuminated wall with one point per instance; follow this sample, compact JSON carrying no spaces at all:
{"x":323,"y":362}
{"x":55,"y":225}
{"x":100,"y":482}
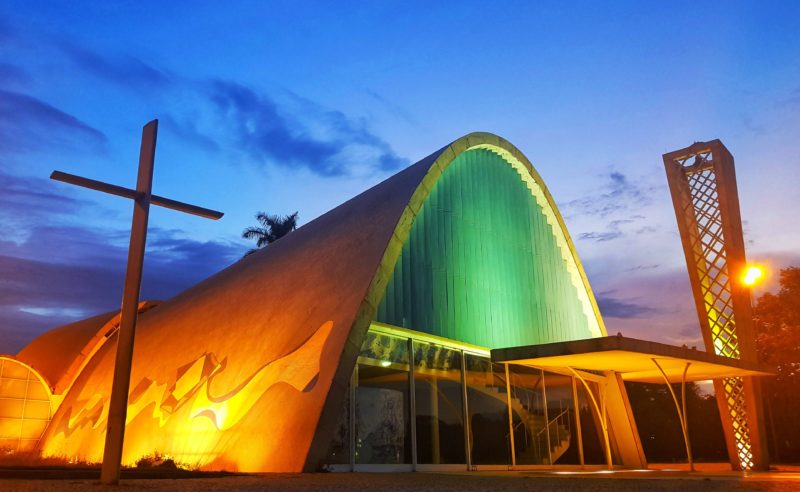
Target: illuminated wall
{"x":192,"y":414}
{"x":483,"y":265}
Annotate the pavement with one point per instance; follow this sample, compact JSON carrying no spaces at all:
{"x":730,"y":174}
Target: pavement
{"x":594,"y":481}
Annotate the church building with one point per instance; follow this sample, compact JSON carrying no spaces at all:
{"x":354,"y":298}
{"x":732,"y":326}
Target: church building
{"x":440,"y":320}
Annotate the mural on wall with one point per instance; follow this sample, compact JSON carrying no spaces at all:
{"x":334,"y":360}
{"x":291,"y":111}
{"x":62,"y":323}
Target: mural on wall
{"x":184,"y":417}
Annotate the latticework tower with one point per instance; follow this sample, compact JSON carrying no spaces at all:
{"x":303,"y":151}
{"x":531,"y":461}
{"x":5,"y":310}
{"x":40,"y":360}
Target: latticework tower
{"x":702,"y":181}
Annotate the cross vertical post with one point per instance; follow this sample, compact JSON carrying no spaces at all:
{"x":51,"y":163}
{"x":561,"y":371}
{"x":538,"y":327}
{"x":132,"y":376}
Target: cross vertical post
{"x":142,"y":198}
{"x":118,"y":405}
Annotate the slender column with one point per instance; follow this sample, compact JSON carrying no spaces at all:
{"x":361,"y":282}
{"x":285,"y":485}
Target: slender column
{"x":510,"y":419}
{"x":353,"y":427}
{"x":603,"y":401}
{"x":577,"y":407}
{"x":467,"y":430}
{"x":413,"y":404}
{"x":681,"y":408}
{"x":435,"y":444}
{"x":118,"y":405}
{"x":686,"y":417}
{"x":546,"y":420}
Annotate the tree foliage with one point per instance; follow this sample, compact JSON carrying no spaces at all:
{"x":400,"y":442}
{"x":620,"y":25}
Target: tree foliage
{"x":777,"y":324}
{"x":270,"y":229}
{"x":660,"y":429}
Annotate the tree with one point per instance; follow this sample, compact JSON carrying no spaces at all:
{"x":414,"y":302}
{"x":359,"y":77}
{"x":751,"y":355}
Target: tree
{"x":659,"y":425}
{"x":272,"y":228}
{"x":777,"y":325}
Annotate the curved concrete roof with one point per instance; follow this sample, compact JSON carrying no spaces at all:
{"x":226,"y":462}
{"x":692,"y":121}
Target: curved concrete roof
{"x":59,"y":354}
{"x":247,"y":369}
{"x":51,"y":353}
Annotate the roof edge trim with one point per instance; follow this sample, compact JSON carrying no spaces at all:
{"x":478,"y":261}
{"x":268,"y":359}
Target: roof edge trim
{"x":64,"y":383}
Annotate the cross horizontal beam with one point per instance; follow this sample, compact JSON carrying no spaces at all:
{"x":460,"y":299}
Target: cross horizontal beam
{"x":135,"y":195}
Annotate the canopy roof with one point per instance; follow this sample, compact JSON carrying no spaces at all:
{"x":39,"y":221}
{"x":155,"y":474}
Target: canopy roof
{"x":632,"y":358}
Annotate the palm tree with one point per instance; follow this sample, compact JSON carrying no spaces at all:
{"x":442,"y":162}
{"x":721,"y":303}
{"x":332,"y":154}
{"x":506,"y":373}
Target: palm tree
{"x":273,"y":227}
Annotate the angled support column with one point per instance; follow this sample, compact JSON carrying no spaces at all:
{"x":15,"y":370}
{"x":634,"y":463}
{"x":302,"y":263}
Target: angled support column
{"x":623,"y":426}
{"x":512,"y":448}
{"x":578,"y":421}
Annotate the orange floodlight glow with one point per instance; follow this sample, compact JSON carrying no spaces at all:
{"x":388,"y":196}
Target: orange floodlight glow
{"x":196,"y":416}
{"x":752,"y":275}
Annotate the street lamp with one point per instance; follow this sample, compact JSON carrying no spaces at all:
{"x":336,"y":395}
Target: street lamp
{"x":752,"y":274}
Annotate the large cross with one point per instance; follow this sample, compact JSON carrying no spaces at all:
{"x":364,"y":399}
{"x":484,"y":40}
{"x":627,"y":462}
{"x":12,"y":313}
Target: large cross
{"x":142,"y":199}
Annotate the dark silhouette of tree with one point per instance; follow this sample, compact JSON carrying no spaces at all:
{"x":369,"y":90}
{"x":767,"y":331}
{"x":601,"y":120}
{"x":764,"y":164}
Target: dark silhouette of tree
{"x":660,"y":428}
{"x":271,"y":228}
{"x":777,"y":324}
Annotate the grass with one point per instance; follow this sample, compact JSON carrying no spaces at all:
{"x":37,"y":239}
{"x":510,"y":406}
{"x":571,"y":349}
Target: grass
{"x":31,"y":465}
{"x":29,"y":459}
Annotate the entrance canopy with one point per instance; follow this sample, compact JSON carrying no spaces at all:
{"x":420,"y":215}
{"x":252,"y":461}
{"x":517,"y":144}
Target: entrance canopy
{"x":635,"y":360}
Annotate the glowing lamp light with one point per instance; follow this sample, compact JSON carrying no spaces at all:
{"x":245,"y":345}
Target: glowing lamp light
{"x":385,"y":363}
{"x":752,"y":275}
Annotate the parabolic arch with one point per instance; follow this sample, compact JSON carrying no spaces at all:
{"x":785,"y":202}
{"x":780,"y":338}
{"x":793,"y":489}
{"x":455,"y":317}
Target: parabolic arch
{"x":373,"y":305}
{"x":247,"y":370}
{"x":391,"y":270}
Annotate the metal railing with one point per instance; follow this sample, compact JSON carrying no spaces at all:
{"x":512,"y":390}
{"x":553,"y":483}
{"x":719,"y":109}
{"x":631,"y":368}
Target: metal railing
{"x":558,"y":426}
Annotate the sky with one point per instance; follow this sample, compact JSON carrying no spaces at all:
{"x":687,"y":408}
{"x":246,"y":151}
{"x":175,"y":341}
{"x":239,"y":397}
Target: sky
{"x":287,"y":106}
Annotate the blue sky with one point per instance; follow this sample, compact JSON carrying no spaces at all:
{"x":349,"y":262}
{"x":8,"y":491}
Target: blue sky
{"x":284,"y":106}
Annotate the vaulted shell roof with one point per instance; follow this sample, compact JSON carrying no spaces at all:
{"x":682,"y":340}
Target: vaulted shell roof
{"x":246,"y":370}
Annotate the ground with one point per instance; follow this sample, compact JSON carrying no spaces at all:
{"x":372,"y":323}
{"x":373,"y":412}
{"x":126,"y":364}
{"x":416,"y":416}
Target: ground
{"x":649,"y":481}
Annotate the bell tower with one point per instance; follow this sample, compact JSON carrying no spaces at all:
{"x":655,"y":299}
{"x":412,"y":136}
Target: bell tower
{"x":702,"y":182}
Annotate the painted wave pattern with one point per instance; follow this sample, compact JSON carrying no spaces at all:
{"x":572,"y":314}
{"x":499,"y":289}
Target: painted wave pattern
{"x":185,"y":418}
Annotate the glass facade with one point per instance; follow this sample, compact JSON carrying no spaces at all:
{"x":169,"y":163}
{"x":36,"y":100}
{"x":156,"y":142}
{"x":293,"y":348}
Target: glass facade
{"x":488,"y":411}
{"x":24,"y":407}
{"x":592,"y":432}
{"x":382,"y":401}
{"x":560,"y":416}
{"x":530,"y":415}
{"x":339,"y":450}
{"x":439,"y":404}
{"x":419,"y":400}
